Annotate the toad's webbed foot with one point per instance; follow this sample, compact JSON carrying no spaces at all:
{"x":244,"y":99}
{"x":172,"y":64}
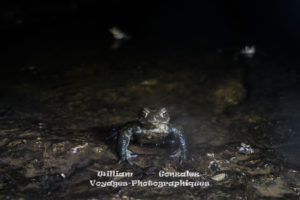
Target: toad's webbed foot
{"x":179,"y":154}
{"x":128,"y":156}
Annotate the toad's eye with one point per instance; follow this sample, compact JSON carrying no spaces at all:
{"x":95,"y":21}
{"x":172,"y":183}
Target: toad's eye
{"x":145,"y":115}
{"x":163,"y":112}
{"x":145,"y":112}
{"x":162,"y":115}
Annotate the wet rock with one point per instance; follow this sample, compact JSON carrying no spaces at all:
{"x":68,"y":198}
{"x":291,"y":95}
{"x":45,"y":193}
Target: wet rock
{"x":29,"y":134}
{"x":4,"y":132}
{"x":220,"y":193}
{"x":264,"y":170}
{"x":230,"y":93}
{"x":30,"y":186}
{"x":99,"y":149}
{"x":3,"y":142}
{"x":274,"y":188}
{"x":61,"y":147}
{"x":16,"y":143}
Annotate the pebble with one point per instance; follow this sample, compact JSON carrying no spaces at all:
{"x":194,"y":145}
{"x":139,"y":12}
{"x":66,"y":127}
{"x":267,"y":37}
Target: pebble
{"x":219,"y":177}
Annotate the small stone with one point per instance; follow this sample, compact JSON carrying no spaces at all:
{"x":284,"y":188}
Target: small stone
{"x":63,"y":175}
{"x":246,"y":148}
{"x":210,"y":155}
{"x":124,"y":197}
{"x":219,"y":177}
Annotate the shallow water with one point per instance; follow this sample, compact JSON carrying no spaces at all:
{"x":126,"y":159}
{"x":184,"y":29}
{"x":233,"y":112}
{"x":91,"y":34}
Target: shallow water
{"x":60,"y":99}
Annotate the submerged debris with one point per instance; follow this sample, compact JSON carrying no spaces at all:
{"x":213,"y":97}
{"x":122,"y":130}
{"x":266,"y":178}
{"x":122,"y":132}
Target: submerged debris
{"x":245,"y":148}
{"x":41,"y":125}
{"x":118,"y":34}
{"x":149,"y":82}
{"x":248,"y":51}
{"x":210,"y":155}
{"x":213,"y":165}
{"x":119,"y":37}
{"x":75,"y":149}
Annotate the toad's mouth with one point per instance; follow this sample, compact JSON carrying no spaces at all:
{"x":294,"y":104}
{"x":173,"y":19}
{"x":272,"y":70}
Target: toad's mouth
{"x":154,"y":123}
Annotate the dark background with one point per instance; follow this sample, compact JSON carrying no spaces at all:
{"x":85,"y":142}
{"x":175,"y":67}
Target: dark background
{"x":270,"y":24}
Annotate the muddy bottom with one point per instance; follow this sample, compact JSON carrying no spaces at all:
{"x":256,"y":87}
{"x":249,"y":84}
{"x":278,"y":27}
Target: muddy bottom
{"x":59,"y":102}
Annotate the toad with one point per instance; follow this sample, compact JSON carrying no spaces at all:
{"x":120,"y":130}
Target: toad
{"x":151,"y":127}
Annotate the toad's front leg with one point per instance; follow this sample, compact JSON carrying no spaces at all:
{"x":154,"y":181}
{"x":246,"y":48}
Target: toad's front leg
{"x":181,"y":151}
{"x":123,"y":142}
